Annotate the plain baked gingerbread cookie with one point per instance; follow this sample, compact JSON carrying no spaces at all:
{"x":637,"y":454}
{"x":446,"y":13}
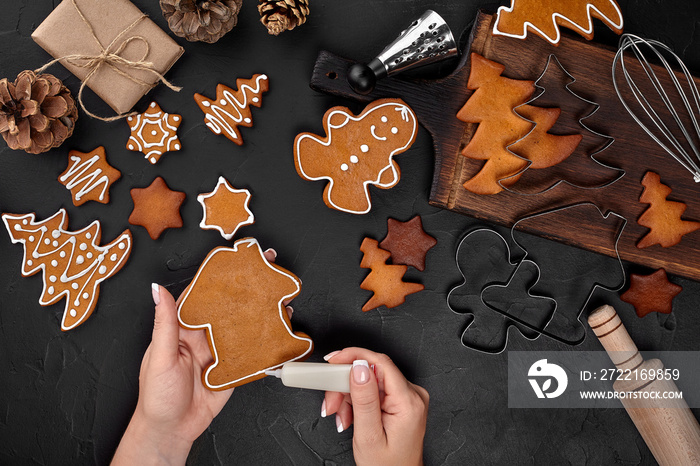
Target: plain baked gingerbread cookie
{"x":238,"y":297}
{"x":156,"y":207}
{"x":357,"y":151}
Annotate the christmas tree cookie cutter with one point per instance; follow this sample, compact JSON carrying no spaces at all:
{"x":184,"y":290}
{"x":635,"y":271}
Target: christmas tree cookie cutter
{"x":553,"y":60}
{"x":526,"y":260}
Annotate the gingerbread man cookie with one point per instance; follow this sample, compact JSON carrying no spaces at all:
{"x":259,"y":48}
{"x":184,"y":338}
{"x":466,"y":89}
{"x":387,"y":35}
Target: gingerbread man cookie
{"x":238,"y":296}
{"x":89,"y":176}
{"x":225,"y":209}
{"x":72,"y":263}
{"x":231,"y":108}
{"x":154,"y":132}
{"x":358,"y":151}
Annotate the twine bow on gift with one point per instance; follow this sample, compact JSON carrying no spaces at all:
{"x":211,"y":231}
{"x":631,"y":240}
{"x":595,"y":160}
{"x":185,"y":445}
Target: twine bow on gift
{"x":114,"y":60}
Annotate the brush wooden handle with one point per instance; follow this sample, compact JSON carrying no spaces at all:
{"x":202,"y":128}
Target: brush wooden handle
{"x":667,"y":426}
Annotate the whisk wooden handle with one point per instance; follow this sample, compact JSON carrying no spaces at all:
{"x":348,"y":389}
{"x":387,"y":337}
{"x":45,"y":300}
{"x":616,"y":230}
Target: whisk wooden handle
{"x":667,"y":426}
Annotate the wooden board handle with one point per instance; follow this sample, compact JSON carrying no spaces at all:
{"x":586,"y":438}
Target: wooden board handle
{"x":667,"y":426}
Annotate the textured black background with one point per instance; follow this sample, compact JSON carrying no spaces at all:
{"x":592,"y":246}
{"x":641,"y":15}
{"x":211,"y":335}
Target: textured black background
{"x":66,"y":398}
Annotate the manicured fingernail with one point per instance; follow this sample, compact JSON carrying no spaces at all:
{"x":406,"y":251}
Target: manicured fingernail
{"x":155,"y":291}
{"x":330,"y":355}
{"x":274,"y":253}
{"x":339,"y":423}
{"x":360,"y":371}
{"x":290,"y":311}
{"x":323,"y":409}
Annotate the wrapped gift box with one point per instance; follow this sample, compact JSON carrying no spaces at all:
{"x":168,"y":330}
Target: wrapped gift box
{"x":64,"y":33}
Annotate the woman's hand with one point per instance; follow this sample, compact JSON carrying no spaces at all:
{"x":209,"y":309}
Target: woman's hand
{"x":174,"y":407}
{"x":388,"y":411}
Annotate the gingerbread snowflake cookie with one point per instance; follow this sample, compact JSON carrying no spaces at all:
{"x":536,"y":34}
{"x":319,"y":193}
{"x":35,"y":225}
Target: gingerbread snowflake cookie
{"x":357,"y":151}
{"x":231,"y":108}
{"x":72,"y":262}
{"x":154,"y":132}
{"x":89,"y":176}
{"x":225,"y":209}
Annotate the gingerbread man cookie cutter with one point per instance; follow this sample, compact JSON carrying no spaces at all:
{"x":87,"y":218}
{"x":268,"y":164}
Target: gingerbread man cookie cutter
{"x":526,"y":260}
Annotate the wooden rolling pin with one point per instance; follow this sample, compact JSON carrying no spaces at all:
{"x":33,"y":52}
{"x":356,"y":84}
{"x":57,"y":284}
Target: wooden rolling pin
{"x":667,"y":426}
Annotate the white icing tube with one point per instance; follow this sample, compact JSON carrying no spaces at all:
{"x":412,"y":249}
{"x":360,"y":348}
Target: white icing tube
{"x":315,"y":375}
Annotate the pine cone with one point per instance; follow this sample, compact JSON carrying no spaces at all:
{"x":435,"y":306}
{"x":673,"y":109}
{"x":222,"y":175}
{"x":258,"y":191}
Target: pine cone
{"x":283,"y":15}
{"x":199,"y":20}
{"x":37,"y":112}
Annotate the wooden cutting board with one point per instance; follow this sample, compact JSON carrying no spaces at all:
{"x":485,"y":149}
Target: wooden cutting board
{"x":436,"y":103}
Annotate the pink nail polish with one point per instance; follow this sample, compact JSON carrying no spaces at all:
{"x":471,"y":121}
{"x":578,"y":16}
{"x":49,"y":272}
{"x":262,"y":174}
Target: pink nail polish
{"x":274,"y":253}
{"x":155,"y":291}
{"x":323,"y":408}
{"x":360,"y":371}
{"x":330,"y":355}
{"x":339,"y":424}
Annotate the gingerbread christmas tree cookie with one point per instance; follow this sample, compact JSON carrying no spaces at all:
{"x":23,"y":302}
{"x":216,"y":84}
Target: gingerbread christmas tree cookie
{"x":73,"y":263}
{"x":543,"y":17}
{"x":407,"y":242}
{"x":385,"y":280}
{"x":238,"y":296}
{"x":231,"y":108}
{"x":651,"y":293}
{"x":156,"y":208}
{"x":154,"y":132}
{"x":663,"y":217}
{"x":89,"y":176}
{"x":225,"y":209}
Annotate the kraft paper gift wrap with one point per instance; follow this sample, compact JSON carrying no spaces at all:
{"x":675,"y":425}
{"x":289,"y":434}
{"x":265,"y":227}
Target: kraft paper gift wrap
{"x":65,"y":33}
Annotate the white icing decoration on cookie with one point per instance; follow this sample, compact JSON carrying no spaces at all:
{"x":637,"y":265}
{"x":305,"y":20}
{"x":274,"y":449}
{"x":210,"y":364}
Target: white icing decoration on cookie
{"x":569,"y":24}
{"x":83,"y":246}
{"x":89,"y":254}
{"x":247,"y":242}
{"x":364,"y":148}
{"x":55,"y":244}
{"x":394,"y":130}
{"x":153,"y":150}
{"x":217,"y":119}
{"x":84,"y":172}
{"x":51,"y":290}
{"x":378,"y":138}
{"x":113,"y":257}
{"x":384,"y":119}
{"x":54,"y":263}
{"x":354,"y":159}
{"x":407,"y":115}
{"x":79,"y":260}
{"x":31,"y":238}
{"x":85,"y":275}
{"x":56,"y":234}
{"x":344,"y":167}
{"x":206,"y":226}
{"x":121,"y":245}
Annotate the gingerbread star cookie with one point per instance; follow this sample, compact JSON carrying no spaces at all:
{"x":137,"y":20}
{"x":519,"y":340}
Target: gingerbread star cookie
{"x":89,"y":176}
{"x":231,"y":108}
{"x":651,"y":293}
{"x":238,"y":297}
{"x":154,"y":132}
{"x":407,"y":242}
{"x":385,"y":280}
{"x":225,"y":209}
{"x":156,"y":208}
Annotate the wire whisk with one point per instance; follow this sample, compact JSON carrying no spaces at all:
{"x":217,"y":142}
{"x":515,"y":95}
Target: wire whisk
{"x":664,"y":131}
